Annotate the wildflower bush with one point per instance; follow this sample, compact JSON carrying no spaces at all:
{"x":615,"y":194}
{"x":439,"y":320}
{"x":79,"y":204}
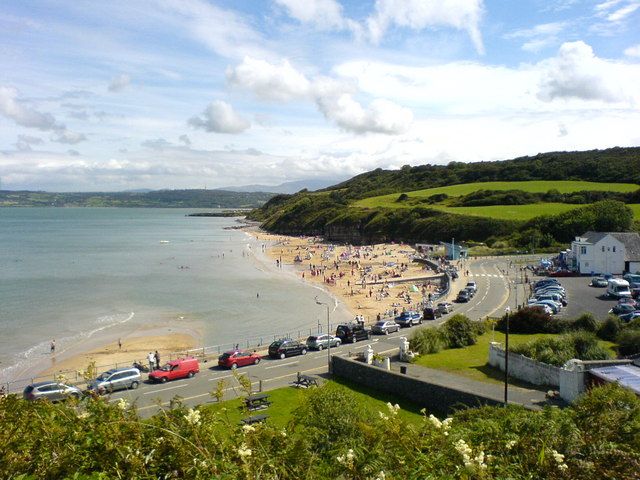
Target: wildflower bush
{"x":329,"y":436}
{"x":557,"y":351}
{"x":457,"y":332}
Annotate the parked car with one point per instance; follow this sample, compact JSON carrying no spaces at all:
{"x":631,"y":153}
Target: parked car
{"x":627,"y":317}
{"x":562,"y":273}
{"x":352,"y":332}
{"x":556,"y":297}
{"x":546,"y":282}
{"x":633,"y":279}
{"x":286,"y":348}
{"x":623,"y":308}
{"x":599,"y":282}
{"x":431,"y":313}
{"x":463,"y":296}
{"x":52,"y":391}
{"x":318,"y":342}
{"x":470,"y":291}
{"x":115,"y":379}
{"x":445,"y":307}
{"x":545,"y":308}
{"x":471,"y":285}
{"x":385,"y":327}
{"x":238,"y":358}
{"x":555,"y":307}
{"x":409,"y":318}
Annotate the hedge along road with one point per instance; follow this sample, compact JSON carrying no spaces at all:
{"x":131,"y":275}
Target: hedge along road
{"x":490,"y":299}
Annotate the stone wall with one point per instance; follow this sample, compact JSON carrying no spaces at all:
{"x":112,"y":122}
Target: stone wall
{"x":524,"y":368}
{"x":436,"y":398}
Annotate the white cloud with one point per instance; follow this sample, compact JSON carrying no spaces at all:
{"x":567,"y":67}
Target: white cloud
{"x":576,"y":72}
{"x":633,"y":51}
{"x":382,"y":116}
{"x":69,"y":137}
{"x":267,"y":81}
{"x":418,"y":15}
{"x":220,"y":117}
{"x":622,"y":13}
{"x":14,"y":109}
{"x":324,"y":14}
{"x":119,"y":82}
{"x":539,"y":36}
{"x":185,"y":139}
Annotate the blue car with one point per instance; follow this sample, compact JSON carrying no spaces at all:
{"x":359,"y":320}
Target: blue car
{"x":409,"y":318}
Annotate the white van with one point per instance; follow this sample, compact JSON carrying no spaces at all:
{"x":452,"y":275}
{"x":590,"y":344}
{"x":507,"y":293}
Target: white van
{"x":618,"y":288}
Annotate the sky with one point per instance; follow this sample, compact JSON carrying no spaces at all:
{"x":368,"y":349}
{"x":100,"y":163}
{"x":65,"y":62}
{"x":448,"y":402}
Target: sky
{"x":121,"y":95}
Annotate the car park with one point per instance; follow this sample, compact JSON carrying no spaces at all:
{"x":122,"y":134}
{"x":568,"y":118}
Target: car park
{"x":352,"y":332}
{"x":445,"y":307}
{"x":599,"y":282}
{"x":409,"y":318}
{"x":431,"y":313}
{"x":50,"y":390}
{"x":175,"y":369}
{"x":238,"y":358}
{"x":318,"y":342}
{"x":286,"y":348}
{"x":463,"y":296}
{"x":385,"y":327}
{"x":115,"y":379}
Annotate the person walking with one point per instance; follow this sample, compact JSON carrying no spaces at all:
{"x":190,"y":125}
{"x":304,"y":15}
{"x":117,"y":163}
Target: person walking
{"x":53,"y":346}
{"x":157,"y":359}
{"x":119,"y":344}
{"x":152,"y":360}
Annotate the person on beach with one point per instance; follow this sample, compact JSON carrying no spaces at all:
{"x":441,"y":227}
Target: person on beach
{"x":53,"y":346}
{"x":119,"y":344}
{"x":157,"y":359}
{"x":152,"y":360}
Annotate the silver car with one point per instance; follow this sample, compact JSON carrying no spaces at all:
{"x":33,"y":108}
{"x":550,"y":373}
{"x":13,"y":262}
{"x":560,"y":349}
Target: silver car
{"x":116,"y":379}
{"x":50,"y":390}
{"x":385,"y":327}
{"x":318,"y":342}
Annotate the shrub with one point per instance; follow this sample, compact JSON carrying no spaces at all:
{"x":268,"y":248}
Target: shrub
{"x":628,"y":342}
{"x":586,"y":322}
{"x":427,"y":340}
{"x":459,"y":331}
{"x":528,"y":320}
{"x":610,"y":328}
{"x":557,"y":351}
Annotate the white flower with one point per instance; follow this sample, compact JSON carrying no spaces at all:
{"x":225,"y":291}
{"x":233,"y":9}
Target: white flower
{"x":248,"y":428}
{"x":346,"y":460}
{"x":393,"y":409}
{"x":193,"y":417}
{"x":122,"y":404}
{"x":244,"y":451}
{"x":510,"y":444}
{"x":381,"y":475}
{"x":558,"y":457}
{"x":383,"y":416}
{"x":563,"y":466}
{"x":83,"y":415}
{"x":283,"y":432}
{"x":435,"y":421}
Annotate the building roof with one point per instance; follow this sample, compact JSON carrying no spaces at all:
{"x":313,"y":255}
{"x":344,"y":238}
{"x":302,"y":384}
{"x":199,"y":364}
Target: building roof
{"x":630,"y":240}
{"x":626,"y":375}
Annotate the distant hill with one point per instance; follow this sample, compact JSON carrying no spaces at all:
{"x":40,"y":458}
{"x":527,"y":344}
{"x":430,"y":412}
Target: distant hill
{"x":404,"y":210}
{"x":145,"y":199}
{"x":288,"y":187}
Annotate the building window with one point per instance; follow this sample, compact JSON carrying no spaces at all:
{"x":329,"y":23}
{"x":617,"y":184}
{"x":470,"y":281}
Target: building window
{"x":614,"y":248}
{"x":603,"y":248}
{"x":583,"y":250}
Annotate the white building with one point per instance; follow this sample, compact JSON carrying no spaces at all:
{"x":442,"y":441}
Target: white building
{"x":606,"y":252}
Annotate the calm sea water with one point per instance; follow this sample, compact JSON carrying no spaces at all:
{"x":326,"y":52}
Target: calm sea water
{"x":88,"y":275}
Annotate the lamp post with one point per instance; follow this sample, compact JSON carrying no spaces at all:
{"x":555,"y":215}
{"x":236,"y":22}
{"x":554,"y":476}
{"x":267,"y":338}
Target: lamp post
{"x":507,"y":312}
{"x":318,"y":302}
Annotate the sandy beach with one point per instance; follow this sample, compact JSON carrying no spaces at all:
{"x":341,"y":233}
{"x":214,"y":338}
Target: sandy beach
{"x":370,"y":280}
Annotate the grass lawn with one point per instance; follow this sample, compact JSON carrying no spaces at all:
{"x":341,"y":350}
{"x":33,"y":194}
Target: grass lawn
{"x":472,"y":361}
{"x":285,"y":400}
{"x":389,"y":201}
{"x":512,"y":212}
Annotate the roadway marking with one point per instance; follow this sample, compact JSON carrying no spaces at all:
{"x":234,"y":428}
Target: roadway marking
{"x":219,"y":378}
{"x":282,"y":365}
{"x":165,"y":389}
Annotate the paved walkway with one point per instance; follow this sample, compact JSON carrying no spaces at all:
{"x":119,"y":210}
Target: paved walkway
{"x":529,"y":398}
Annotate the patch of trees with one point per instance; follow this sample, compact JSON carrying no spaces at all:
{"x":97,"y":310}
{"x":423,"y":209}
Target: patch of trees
{"x":481,"y":198}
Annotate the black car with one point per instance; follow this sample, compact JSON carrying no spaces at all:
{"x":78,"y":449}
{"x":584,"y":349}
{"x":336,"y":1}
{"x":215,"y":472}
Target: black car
{"x":286,"y":348}
{"x":463,"y":296}
{"x":352,"y":332}
{"x":431,"y":313}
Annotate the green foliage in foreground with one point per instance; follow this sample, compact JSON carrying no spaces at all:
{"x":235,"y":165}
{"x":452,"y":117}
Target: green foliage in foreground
{"x":557,"y":351}
{"x":457,"y":332}
{"x":327,"y":437}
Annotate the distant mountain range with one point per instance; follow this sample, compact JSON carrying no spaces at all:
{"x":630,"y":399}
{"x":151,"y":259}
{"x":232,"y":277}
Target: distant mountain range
{"x":288,"y":187}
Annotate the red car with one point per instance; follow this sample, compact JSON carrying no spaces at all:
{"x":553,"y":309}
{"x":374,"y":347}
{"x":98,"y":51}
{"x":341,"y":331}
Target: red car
{"x":238,"y":358}
{"x":180,"y":368}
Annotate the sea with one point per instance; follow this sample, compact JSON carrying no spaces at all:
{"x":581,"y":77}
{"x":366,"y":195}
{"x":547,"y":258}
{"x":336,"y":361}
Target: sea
{"x":88,"y":276}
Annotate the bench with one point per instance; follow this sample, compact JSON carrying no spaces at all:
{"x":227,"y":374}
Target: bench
{"x":254,"y":419}
{"x":306,"y":381}
{"x":257,"y":402}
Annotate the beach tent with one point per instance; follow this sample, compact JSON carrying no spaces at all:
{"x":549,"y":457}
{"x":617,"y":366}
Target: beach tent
{"x":414,"y":289}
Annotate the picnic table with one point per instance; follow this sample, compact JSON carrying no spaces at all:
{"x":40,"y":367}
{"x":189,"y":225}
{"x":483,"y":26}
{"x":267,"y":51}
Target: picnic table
{"x":254,"y":419}
{"x":258,"y":401}
{"x":306,"y":381}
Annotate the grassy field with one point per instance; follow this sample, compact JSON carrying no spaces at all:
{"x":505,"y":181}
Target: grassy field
{"x":389,"y":201}
{"x":285,"y":400}
{"x":513,"y":212}
{"x":472,"y":361}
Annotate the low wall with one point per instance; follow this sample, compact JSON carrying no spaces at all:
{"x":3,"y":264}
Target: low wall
{"x":524,"y":368}
{"x":573,"y":378}
{"x":436,"y":398}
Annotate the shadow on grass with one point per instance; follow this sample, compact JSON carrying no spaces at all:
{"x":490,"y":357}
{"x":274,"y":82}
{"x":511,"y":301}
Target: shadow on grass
{"x":498,"y":375}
